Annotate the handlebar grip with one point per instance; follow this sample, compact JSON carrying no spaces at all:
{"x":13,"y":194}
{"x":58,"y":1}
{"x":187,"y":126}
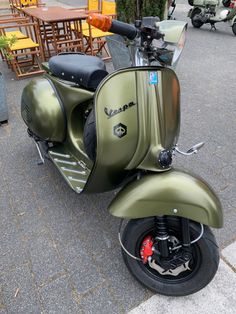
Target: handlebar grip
{"x":105,"y":24}
{"x":123,"y":29}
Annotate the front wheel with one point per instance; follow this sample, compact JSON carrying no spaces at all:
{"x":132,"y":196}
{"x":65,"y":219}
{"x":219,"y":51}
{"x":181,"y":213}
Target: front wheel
{"x":234,"y":28}
{"x":196,"y":22}
{"x":182,"y":280}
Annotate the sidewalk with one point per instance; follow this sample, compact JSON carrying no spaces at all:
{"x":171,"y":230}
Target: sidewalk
{"x":218,"y":297}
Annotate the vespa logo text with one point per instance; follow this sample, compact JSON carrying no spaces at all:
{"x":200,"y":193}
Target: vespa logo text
{"x":111,"y":113}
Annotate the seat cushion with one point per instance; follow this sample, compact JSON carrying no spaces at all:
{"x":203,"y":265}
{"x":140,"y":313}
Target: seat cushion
{"x":25,"y":43}
{"x":86,"y":71}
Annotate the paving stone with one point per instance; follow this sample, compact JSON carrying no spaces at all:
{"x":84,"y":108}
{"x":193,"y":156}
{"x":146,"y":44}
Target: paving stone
{"x":6,"y":212}
{"x":44,"y":258}
{"x":95,"y":237}
{"x":2,"y":305}
{"x":100,"y":301}
{"x":84,"y":274}
{"x":126,"y":290}
{"x":224,"y":235}
{"x":218,"y":297}
{"x":229,"y":253}
{"x":62,"y":222}
{"x":58,"y":297}
{"x":31,"y":220}
{"x":26,"y":300}
{"x":12,"y":251}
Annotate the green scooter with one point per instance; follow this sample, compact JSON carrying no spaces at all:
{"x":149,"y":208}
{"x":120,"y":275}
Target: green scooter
{"x":211,"y":12}
{"x":120,"y":130}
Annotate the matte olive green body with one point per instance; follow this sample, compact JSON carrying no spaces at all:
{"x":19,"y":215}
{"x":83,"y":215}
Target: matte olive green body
{"x":149,"y":115}
{"x":42,"y":111}
{"x":48,"y":103}
{"x":174,"y":193}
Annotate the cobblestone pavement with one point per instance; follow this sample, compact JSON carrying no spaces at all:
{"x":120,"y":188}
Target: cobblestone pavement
{"x":59,"y":251}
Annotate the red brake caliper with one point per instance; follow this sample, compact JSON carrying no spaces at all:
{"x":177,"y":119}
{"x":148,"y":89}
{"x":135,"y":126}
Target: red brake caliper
{"x":146,"y":248}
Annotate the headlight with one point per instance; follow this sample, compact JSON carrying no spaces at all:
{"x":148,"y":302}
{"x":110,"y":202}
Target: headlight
{"x":174,"y":40}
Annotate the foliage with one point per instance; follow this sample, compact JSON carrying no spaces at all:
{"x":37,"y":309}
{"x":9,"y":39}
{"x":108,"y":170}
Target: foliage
{"x":6,"y":42}
{"x":130,"y":10}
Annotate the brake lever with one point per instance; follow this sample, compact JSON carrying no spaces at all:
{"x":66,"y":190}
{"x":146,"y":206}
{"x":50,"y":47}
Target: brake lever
{"x":193,"y":150}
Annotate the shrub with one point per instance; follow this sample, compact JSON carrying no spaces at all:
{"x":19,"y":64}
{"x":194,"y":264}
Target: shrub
{"x":130,"y":10}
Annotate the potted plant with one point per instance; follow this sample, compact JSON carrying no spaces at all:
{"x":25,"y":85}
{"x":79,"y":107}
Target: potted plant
{"x":5,"y":42}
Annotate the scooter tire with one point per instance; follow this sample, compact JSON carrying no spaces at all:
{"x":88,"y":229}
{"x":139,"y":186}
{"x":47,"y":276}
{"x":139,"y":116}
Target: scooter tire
{"x":234,"y":28}
{"x":90,"y":137}
{"x":203,"y":266}
{"x":196,"y":23}
{"x":226,"y":3}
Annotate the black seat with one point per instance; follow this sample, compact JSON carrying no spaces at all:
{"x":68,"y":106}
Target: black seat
{"x":87,"y":71}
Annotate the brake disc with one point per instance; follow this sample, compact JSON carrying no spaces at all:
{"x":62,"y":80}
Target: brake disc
{"x":172,"y":272}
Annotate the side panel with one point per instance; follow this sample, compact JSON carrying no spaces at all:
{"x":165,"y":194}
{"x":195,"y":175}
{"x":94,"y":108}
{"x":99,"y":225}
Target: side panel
{"x":42,"y":111}
{"x":169,"y":193}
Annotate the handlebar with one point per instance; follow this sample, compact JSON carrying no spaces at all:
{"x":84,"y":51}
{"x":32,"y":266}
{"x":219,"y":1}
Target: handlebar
{"x":106,"y":24}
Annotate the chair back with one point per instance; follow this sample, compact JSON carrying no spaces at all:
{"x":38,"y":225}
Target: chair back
{"x":93,"y":5}
{"x":29,"y":29}
{"x":28,"y":3}
{"x":108,"y":8}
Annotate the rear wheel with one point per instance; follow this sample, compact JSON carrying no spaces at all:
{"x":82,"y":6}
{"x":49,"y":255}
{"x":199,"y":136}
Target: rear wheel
{"x":234,"y":28}
{"x":183,"y":280}
{"x":226,"y":3}
{"x":196,"y":22}
{"x":90,"y":139}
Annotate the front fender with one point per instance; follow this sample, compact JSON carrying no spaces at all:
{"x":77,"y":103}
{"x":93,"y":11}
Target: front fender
{"x":174,"y":193}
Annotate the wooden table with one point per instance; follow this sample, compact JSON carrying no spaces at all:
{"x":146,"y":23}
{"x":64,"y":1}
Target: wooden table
{"x":58,"y":19}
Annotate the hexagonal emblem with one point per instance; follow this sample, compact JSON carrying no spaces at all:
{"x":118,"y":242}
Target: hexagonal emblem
{"x":120,"y":130}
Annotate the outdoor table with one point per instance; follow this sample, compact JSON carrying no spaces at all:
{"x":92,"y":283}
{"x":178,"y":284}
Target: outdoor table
{"x":54,"y":17}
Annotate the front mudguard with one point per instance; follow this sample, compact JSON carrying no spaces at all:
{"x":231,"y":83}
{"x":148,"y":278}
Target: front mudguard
{"x":173,"y":193}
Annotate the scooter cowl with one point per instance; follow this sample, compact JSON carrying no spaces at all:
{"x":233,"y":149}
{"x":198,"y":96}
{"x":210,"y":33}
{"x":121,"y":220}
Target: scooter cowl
{"x":42,"y":110}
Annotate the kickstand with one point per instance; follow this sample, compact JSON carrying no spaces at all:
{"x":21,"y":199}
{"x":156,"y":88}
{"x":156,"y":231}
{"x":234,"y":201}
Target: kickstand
{"x":213,"y":27}
{"x":41,"y":160}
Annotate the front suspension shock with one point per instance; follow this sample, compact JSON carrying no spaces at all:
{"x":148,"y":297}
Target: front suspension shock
{"x":162,"y":235}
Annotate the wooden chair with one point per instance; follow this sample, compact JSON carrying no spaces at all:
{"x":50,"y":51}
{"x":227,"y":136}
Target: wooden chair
{"x":109,"y":8}
{"x":69,"y":38}
{"x":12,"y":19}
{"x":24,"y":55}
{"x":17,"y":5}
{"x":92,"y":6}
{"x":95,"y":38}
{"x":11,"y":5}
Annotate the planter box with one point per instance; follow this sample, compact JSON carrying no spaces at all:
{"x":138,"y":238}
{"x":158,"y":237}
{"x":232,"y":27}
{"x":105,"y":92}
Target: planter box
{"x":3,"y":104}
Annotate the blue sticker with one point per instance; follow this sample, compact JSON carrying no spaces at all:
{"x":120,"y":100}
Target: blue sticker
{"x":153,"y":78}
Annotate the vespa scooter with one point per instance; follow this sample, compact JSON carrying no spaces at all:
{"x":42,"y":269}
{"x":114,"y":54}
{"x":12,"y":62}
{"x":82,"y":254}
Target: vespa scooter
{"x":211,"y":12}
{"x":120,"y":130}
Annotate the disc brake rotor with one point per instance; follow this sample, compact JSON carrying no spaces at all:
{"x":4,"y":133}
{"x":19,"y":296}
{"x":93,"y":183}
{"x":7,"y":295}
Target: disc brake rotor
{"x":170,"y":272}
